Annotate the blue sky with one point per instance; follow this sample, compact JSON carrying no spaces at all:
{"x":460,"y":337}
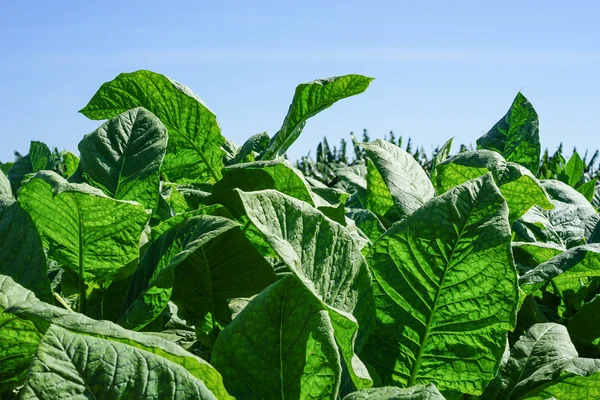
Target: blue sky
{"x":442,"y":68}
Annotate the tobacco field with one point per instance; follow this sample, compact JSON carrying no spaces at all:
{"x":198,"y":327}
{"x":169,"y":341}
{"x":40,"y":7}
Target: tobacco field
{"x":166,"y":262}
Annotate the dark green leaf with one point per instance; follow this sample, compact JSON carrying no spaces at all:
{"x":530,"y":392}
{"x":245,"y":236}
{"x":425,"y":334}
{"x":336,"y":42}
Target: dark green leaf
{"x":21,"y":253}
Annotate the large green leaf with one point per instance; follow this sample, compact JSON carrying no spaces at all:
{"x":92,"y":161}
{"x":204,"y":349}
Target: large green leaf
{"x":78,"y":357}
{"x":544,"y":364}
{"x":446,"y":292}
{"x":281,"y":346}
{"x":421,"y":392}
{"x":91,"y":233}
{"x":323,"y":254}
{"x":407,"y":182}
{"x":18,"y":342}
{"x":21,"y":252}
{"x":309,"y":100}
{"x":199,"y":263}
{"x":587,"y":189}
{"x":194,"y":152}
{"x":40,"y":156}
{"x":566,"y":269}
{"x":18,"y":338}
{"x":517,"y":184}
{"x":123,"y":156}
{"x":516,"y":136}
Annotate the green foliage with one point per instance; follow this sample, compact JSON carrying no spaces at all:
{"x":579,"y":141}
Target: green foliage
{"x":205,"y":270}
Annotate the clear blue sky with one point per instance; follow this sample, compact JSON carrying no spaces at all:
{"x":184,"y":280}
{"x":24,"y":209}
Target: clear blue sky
{"x":442,"y":68}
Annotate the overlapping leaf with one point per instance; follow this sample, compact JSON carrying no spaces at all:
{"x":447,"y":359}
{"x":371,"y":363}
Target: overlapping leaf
{"x":90,"y":232}
{"x":21,"y":253}
{"x":446,"y":292}
{"x":199,"y":262}
{"x":123,"y":156}
{"x":324,"y":256}
{"x":194,"y":151}
{"x":408,"y":185}
{"x":544,"y":364}
{"x":281,"y":346}
{"x":518,"y":186}
{"x":117,"y":362}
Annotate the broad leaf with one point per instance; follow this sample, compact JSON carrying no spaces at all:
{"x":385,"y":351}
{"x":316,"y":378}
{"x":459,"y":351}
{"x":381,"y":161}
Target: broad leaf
{"x":516,"y":136}
{"x":565,"y":224}
{"x":408,"y":184}
{"x":117,"y":362}
{"x":309,"y":100}
{"x":92,"y":234}
{"x":123,"y":156}
{"x":21,"y":252}
{"x":281,"y":346}
{"x":71,"y":163}
{"x":446,"y":292}
{"x":194,"y":152}
{"x":421,"y":392}
{"x":199,"y":263}
{"x":518,"y":186}
{"x":19,"y":170}
{"x":323,"y":254}
{"x":565,"y":270}
{"x":544,"y":364}
{"x":587,"y":189}
{"x":39,"y":158}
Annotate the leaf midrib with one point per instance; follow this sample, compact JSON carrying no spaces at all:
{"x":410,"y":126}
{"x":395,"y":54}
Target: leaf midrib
{"x":417,"y":364}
